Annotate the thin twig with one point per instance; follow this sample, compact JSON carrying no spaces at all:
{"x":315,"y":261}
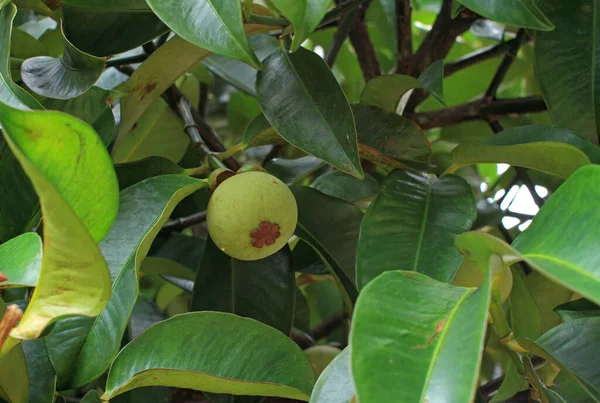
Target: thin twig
{"x":477,"y":110}
{"x":184,"y":222}
{"x":365,"y":52}
{"x":325,"y":328}
{"x":120,"y":61}
{"x":404,"y":43}
{"x":340,"y":36}
{"x":507,"y":61}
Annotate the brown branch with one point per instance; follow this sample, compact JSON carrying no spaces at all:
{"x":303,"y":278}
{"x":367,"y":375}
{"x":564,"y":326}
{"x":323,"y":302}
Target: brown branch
{"x":325,"y":328}
{"x":438,"y":41}
{"x":507,"y":61}
{"x":184,"y":222}
{"x":365,"y":52}
{"x":204,"y":138}
{"x":343,"y":29}
{"x":403,"y":31}
{"x":478,"y":110}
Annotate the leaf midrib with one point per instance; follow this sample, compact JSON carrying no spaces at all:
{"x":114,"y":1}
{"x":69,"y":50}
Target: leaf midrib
{"x":423,"y":223}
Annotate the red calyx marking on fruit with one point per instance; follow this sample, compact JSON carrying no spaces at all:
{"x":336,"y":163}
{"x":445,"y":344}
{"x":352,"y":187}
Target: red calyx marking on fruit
{"x":265,"y":234}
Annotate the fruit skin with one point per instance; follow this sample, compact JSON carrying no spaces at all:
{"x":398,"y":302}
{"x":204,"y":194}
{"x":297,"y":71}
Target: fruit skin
{"x":239,"y":205}
{"x":320,"y":356}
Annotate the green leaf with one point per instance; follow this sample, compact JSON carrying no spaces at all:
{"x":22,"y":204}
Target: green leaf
{"x":555,"y":151}
{"x":238,"y":74}
{"x":304,"y":15}
{"x":66,"y":77}
{"x":159,"y":132}
{"x":331,"y":227}
{"x":108,"y":27}
{"x":342,"y":186}
{"x":302,"y":100}
{"x":291,"y":170}
{"x":215,"y":25}
{"x":386,"y":91}
{"x":335,"y":383}
{"x":572,"y":347}
{"x":14,"y":379}
{"x":411,"y":225}
{"x":263,"y":289}
{"x":214,"y":360}
{"x":259,"y":132}
{"x":389,"y":139}
{"x":145,"y":313}
{"x":41,"y":375}
{"x":521,"y":13}
{"x":440,"y":325}
{"x":525,"y":317}
{"x":566,"y":68}
{"x":511,"y":385}
{"x":10,"y":93}
{"x":24,"y":45}
{"x":74,"y":280}
{"x":577,"y":309}
{"x":21,"y":260}
{"x":153,"y":77}
{"x":143,"y":210}
{"x":561,"y":237}
{"x":91,"y":107}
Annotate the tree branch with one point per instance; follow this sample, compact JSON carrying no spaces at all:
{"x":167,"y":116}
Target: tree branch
{"x":365,"y":52}
{"x":403,"y":31}
{"x":340,"y":36}
{"x":439,"y":40}
{"x":507,"y":61}
{"x":477,"y":110}
{"x":184,"y":222}
{"x":325,"y":328}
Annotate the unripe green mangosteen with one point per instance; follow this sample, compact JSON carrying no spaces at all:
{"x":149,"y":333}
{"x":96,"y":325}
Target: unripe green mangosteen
{"x":251,"y":215}
{"x":320,"y":357}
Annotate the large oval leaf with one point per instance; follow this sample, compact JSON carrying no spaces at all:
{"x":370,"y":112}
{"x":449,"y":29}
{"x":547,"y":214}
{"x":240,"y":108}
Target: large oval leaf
{"x":143,"y":209}
{"x":202,"y":351}
{"x":409,"y":329}
{"x":215,"y":25}
{"x":331,"y":227}
{"x":411,"y":225}
{"x":74,"y":279}
{"x":21,"y":260}
{"x":303,"y":101}
{"x":561,"y":238}
{"x":66,"y":77}
{"x":10,"y":93}
{"x":552,"y":150}
{"x":304,"y":15}
{"x":263,"y":290}
{"x":566,"y":68}
{"x":522,"y":13}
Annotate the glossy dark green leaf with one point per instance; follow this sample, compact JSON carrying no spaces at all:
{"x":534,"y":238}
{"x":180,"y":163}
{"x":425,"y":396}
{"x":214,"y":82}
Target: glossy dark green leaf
{"x":346,"y":187}
{"x":547,"y":149}
{"x":184,"y":250}
{"x":409,"y":329}
{"x":240,"y":74}
{"x":10,"y":93}
{"x":145,"y":314}
{"x":306,"y":260}
{"x":561,"y":237}
{"x":259,"y":132}
{"x":73,"y":280}
{"x":572,"y":346}
{"x":263,"y":289}
{"x":215,"y":25}
{"x":304,"y":15}
{"x":41,"y":375}
{"x":131,"y":173}
{"x":214,"y":360}
{"x":66,"y":77}
{"x":124,"y":248}
{"x":521,"y":13}
{"x":577,"y":309}
{"x":107,"y":27}
{"x":302,"y":100}
{"x":331,"y":227}
{"x":411,"y":225}
{"x":335,"y":383}
{"x":21,"y":260}
{"x":565,"y":66}
{"x":324,"y":300}
{"x":91,"y":107}
{"x":389,"y":139}
{"x":290,"y":170}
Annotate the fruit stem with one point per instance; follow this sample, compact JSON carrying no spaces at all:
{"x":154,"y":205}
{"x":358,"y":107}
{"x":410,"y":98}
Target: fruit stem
{"x":215,"y":162}
{"x":231,"y":151}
